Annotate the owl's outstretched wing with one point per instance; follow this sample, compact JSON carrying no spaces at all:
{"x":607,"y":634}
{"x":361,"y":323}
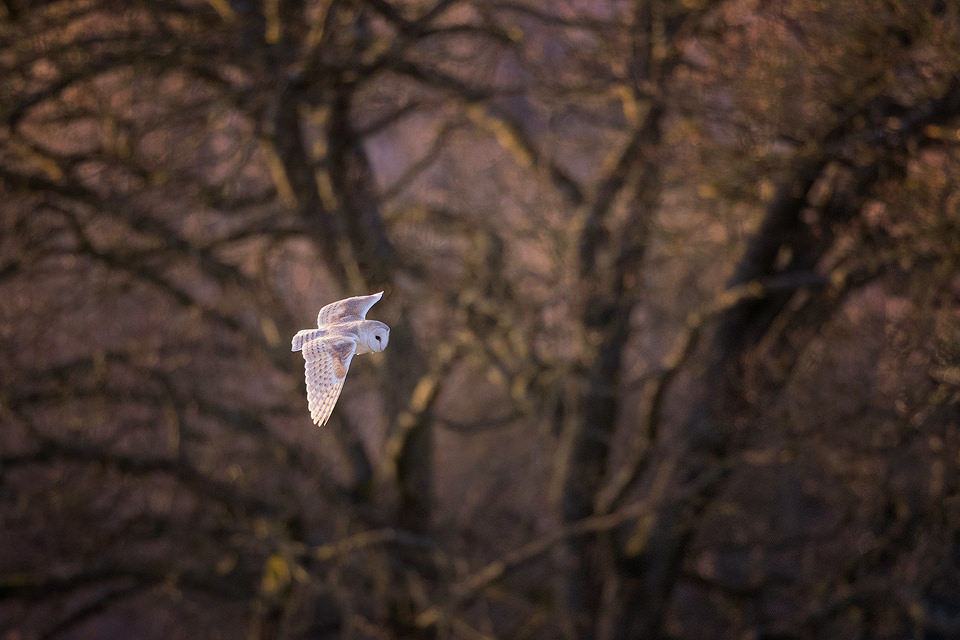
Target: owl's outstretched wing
{"x":348,"y":309}
{"x":327,"y":361}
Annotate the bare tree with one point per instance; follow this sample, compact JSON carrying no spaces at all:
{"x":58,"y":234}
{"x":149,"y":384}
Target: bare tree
{"x":673,"y":297}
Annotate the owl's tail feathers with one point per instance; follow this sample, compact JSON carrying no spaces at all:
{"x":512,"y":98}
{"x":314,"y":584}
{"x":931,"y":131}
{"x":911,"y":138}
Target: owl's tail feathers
{"x":305,"y":336}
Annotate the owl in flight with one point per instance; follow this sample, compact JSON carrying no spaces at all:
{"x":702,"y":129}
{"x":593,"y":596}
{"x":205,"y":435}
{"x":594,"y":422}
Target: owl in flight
{"x":342,"y":332}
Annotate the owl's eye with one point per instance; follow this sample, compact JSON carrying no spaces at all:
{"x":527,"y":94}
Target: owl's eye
{"x":378,"y":338}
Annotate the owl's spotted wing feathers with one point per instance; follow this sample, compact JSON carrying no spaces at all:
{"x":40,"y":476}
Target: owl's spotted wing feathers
{"x":347,"y":310}
{"x":305,"y":336}
{"x":327,"y":361}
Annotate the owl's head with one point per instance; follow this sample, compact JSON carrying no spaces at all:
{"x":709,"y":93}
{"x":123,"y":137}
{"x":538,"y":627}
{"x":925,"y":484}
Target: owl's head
{"x":374,"y":335}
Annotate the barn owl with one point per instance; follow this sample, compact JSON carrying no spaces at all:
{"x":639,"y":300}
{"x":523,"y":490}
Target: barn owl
{"x":342,"y":332}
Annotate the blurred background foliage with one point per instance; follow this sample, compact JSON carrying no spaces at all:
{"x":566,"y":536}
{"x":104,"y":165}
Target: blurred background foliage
{"x":674,"y":301}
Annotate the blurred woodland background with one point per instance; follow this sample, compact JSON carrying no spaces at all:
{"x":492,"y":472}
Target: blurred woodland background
{"x":674,"y":296}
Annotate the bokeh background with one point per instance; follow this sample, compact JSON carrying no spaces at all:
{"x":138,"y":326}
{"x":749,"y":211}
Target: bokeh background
{"x":675,"y":308}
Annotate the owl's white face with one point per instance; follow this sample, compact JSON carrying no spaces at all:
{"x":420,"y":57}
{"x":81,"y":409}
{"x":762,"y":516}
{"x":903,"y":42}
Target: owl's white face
{"x":374,"y":336}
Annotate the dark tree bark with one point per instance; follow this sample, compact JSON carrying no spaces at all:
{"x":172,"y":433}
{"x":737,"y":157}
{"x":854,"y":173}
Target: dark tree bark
{"x":649,"y":575}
